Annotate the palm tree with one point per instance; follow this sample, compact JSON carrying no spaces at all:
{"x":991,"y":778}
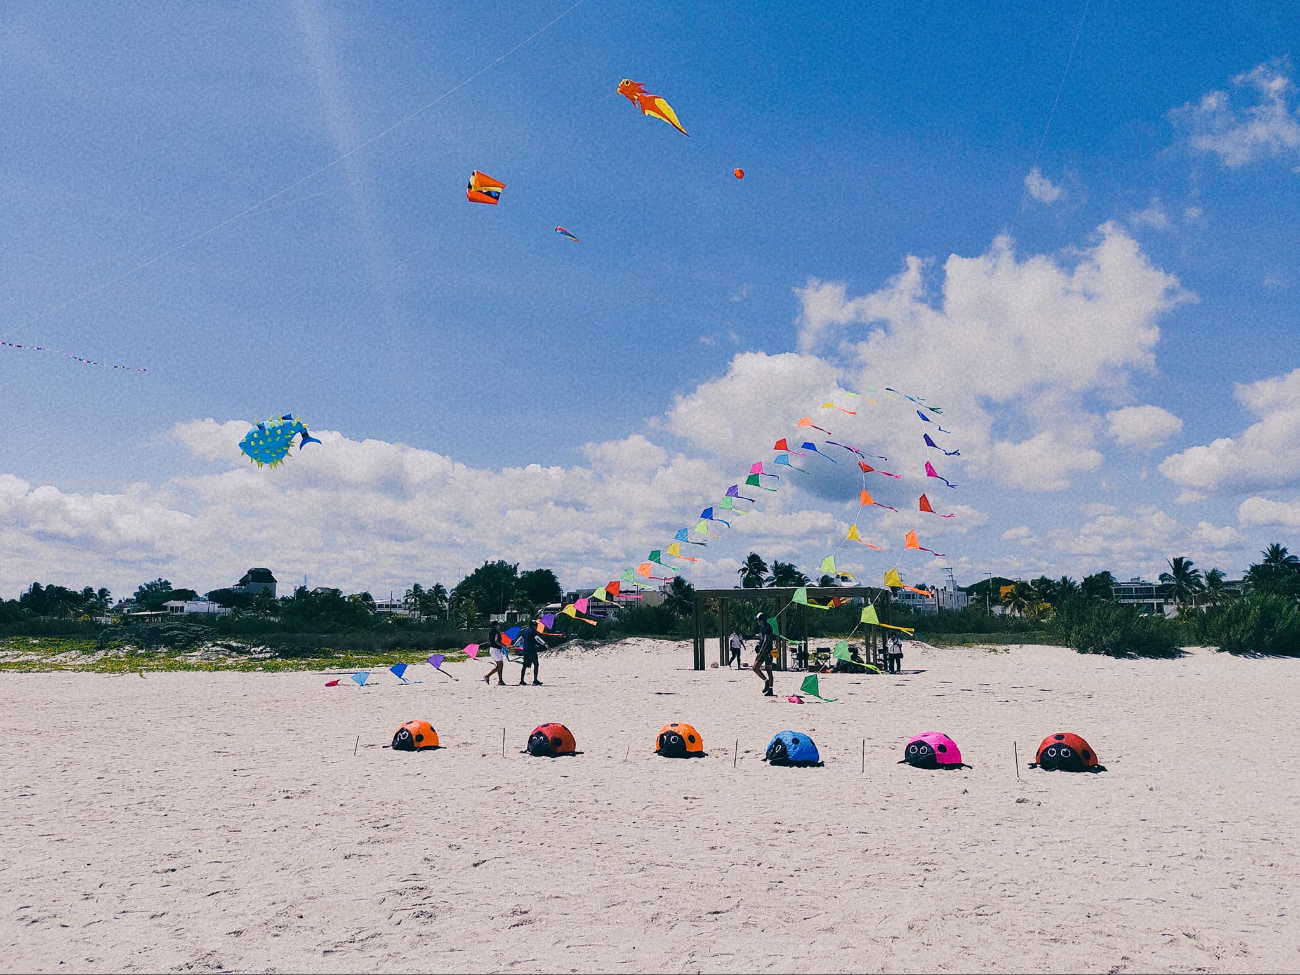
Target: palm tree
{"x":1045,"y":589}
{"x":752,"y":572}
{"x":828,"y":580}
{"x":414,"y":597}
{"x":1100,"y":585}
{"x":1215,"y":589}
{"x":434,"y":600}
{"x":524,"y":606}
{"x":1019,"y":598}
{"x":786,"y":575}
{"x":1279,"y":571}
{"x":1183,"y":578}
{"x":679,"y":596}
{"x":1276,"y":556}
{"x":1065,"y":588}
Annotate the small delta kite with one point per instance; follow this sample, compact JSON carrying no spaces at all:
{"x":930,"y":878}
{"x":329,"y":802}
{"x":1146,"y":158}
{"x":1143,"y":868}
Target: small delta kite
{"x":483,"y":188}
{"x":564,"y":233}
{"x":651,"y":105}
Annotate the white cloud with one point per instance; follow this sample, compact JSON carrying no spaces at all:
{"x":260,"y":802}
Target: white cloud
{"x":1041,"y":188}
{"x":1265,"y":126}
{"x":1013,"y":336}
{"x":1138,"y":541}
{"x":1142,"y":426}
{"x":1012,"y":534}
{"x":1261,"y":512}
{"x":1153,"y":216}
{"x":1267,"y":454}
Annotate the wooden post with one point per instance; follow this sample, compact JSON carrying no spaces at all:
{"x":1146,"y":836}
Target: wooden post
{"x":724,"y":617}
{"x":699,"y":634}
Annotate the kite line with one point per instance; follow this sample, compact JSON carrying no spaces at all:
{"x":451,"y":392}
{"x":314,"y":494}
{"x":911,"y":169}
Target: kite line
{"x":329,"y":165}
{"x":1052,"y":114}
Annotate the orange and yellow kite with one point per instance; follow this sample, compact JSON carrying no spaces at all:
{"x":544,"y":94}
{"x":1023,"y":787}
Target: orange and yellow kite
{"x":651,"y":105}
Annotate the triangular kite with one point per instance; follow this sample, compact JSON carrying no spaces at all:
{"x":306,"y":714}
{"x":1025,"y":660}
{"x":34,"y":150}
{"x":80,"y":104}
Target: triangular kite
{"x":931,"y":472}
{"x":911,"y":541}
{"x":602,"y":593}
{"x":812,"y":447}
{"x":828,"y":564}
{"x":734,"y":492}
{"x":398,"y":670}
{"x":841,"y":651}
{"x":925,"y":506}
{"x":784,"y":461}
{"x":683,"y":535}
{"x":471,"y":651}
{"x":801,"y":597}
{"x":675,"y":550}
{"x":832,"y":406}
{"x":865,"y":499}
{"x":731,"y":506}
{"x":361,"y":678}
{"x":570,"y":610}
{"x":703,"y":529}
{"x":892,"y":578}
{"x":807,"y":422}
{"x":868,"y":469}
{"x":752,"y":481}
{"x":809,"y":687}
{"x":782,"y":445}
{"x":853,"y":536}
{"x":869,"y":616}
{"x":946,"y":453}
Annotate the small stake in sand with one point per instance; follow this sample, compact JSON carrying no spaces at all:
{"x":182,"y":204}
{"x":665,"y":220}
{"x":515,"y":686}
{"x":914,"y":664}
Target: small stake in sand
{"x":503,"y":742}
{"x":1015,"y":751}
{"x":864,"y":756}
{"x":628,"y":752}
{"x":356,"y":746}
{"x":735,"y":753}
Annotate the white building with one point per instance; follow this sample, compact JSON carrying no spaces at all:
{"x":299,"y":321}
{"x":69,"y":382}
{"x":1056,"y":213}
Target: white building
{"x":1148,"y":597}
{"x":393,"y":607}
{"x":188,"y":607}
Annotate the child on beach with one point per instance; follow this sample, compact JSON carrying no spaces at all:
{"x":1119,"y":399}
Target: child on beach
{"x":497,"y":651}
{"x":763,"y":654}
{"x":893,"y":655}
{"x":529,"y":641}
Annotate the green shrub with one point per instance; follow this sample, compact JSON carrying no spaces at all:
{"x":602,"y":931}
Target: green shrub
{"x":1263,"y":624}
{"x":1097,"y":626}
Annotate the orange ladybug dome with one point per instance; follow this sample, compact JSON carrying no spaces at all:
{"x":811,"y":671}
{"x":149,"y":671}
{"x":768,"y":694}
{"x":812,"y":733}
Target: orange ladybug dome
{"x":550,"y":740}
{"x":415,"y":736}
{"x":678,"y":740}
{"x":1066,"y":752}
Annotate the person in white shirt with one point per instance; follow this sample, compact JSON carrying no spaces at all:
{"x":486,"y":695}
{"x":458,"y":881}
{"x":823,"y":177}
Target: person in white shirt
{"x":737,"y":645}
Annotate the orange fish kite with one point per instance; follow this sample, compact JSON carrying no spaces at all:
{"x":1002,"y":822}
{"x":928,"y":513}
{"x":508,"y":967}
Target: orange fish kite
{"x":651,"y":105}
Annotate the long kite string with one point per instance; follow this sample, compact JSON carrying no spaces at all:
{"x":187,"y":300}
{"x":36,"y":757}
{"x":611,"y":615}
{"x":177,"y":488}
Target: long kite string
{"x":329,"y":165}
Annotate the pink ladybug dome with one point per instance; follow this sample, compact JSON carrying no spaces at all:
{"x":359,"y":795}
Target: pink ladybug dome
{"x":932,"y":749}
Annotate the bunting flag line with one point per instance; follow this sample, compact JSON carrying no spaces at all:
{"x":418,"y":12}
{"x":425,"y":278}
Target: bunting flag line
{"x":911,"y":542}
{"x":931,"y":472}
{"x":925,"y":506}
{"x":69,"y":355}
{"x":946,"y":453}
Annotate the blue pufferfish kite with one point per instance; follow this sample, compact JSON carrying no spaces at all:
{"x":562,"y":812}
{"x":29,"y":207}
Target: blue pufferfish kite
{"x":269,"y":442}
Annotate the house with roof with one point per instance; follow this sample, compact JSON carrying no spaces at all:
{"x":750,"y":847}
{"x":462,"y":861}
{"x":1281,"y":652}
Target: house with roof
{"x":255,"y":581}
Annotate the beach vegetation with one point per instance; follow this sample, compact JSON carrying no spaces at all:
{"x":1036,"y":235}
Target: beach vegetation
{"x":1096,"y":626}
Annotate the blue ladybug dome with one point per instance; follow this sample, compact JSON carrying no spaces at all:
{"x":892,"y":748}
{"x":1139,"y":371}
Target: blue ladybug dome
{"x":792,"y":748}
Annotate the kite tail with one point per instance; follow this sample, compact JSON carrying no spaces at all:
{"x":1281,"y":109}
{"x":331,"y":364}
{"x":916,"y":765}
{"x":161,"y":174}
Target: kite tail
{"x":306,"y":439}
{"x":948,"y":482}
{"x":951,"y":453}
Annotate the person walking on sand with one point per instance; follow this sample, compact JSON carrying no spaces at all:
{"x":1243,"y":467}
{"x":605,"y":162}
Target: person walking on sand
{"x":529,"y":641}
{"x":497,"y":651}
{"x":763,"y":654}
{"x":737,"y":648}
{"x":894,"y":655}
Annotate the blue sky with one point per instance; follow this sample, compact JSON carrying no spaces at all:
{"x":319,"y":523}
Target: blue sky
{"x":692,"y":319}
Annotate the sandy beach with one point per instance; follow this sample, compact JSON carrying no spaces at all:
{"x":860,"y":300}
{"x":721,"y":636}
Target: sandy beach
{"x":207,"y":822}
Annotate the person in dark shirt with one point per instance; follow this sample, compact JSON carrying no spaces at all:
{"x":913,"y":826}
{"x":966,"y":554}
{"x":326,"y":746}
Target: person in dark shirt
{"x":763,"y":654}
{"x":497,"y":652}
{"x":529,"y":642}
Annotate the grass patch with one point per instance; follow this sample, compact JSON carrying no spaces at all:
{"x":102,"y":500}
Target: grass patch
{"x":27,"y":654}
{"x":1035,"y":637}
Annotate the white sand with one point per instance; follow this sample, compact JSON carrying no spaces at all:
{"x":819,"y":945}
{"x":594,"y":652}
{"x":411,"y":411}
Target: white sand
{"x":207,"y":822}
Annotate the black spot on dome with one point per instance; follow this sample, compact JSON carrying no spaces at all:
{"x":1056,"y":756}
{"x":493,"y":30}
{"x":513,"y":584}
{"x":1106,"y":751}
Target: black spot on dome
{"x":419,"y":737}
{"x":1060,"y":737}
{"x":943,"y":748}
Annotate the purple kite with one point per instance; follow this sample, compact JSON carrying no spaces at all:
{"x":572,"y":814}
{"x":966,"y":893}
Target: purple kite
{"x":946,"y":453}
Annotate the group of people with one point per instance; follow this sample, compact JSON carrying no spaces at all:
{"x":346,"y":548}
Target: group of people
{"x":529,"y":642}
{"x":766,"y":638}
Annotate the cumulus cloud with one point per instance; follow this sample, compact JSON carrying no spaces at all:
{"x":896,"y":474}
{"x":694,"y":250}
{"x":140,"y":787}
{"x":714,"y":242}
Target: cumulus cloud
{"x":1041,"y":188}
{"x":1267,"y":454}
{"x":1153,"y":216}
{"x":1264,"y":125}
{"x":1006,"y":339}
{"x":1138,"y":540}
{"x":1262,"y":513}
{"x":1142,"y":426}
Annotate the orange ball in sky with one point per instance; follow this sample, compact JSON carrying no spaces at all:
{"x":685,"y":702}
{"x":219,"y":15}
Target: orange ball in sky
{"x":740,"y":173}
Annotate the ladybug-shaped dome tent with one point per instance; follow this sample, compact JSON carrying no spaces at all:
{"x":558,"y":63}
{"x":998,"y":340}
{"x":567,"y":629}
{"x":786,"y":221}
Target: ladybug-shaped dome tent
{"x":415,"y":736}
{"x":678,"y":740}
{"x":550,"y":740}
{"x":792,"y":748}
{"x":1065,"y":752}
{"x":930,"y":749}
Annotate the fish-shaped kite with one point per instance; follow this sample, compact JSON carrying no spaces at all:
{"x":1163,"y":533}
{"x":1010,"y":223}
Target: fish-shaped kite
{"x":946,"y":453}
{"x":931,"y":472}
{"x":483,"y":188}
{"x":268,"y":443}
{"x":925,"y":506}
{"x":564,"y":233}
{"x":651,"y":105}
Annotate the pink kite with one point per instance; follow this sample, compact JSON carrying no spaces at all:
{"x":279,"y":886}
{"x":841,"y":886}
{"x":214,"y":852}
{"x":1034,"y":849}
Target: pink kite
{"x":931,"y":472}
